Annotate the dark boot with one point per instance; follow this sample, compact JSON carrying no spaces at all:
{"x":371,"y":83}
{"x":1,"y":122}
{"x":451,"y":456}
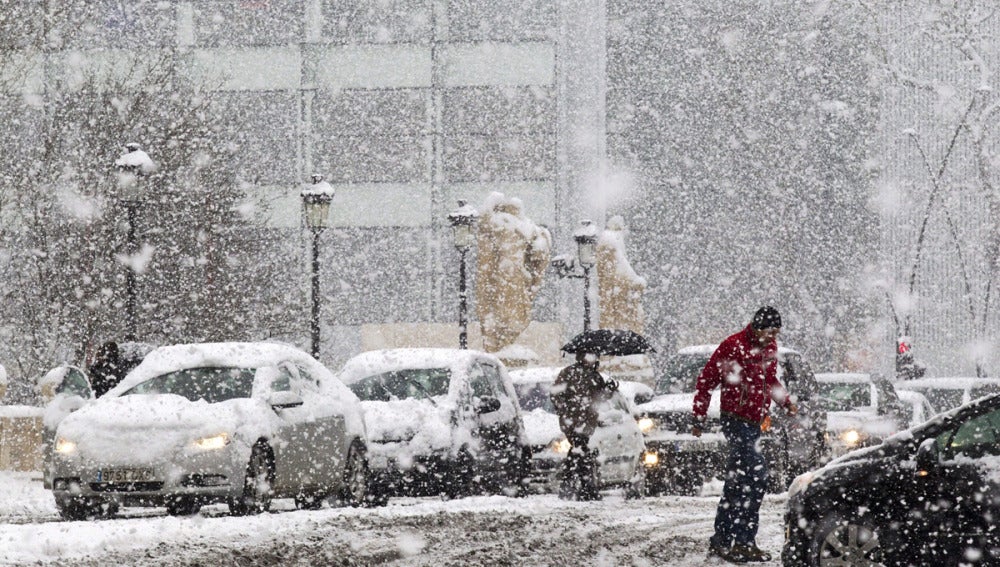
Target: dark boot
{"x":751,"y":553}
{"x":725,"y":553}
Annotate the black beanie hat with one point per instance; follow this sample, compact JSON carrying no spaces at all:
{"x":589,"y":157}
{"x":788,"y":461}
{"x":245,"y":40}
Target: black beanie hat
{"x":766,"y":317}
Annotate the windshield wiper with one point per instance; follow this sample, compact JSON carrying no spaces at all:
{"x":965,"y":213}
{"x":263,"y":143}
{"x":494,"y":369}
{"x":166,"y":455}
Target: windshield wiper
{"x":421,"y":388}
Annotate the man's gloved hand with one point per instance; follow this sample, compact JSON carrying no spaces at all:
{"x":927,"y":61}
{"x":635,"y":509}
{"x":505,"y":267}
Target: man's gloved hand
{"x":793,"y":409}
{"x":611,"y":385}
{"x":697,"y":424}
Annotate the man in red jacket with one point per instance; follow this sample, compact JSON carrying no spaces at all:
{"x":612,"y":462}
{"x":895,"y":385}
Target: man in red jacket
{"x":745,"y":365}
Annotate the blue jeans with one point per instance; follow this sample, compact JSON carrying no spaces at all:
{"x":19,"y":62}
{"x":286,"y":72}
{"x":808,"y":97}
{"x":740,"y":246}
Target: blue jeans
{"x":738,"y":514}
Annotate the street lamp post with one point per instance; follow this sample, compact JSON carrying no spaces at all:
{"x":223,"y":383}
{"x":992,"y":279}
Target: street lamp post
{"x":316,"y":199}
{"x":130,"y":166}
{"x":463,"y":220}
{"x":586,"y":241}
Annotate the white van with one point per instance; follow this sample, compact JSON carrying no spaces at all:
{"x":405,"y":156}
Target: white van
{"x":949,"y":393}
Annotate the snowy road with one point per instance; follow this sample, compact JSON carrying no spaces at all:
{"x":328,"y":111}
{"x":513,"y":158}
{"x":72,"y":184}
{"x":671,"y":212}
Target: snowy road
{"x":538,"y":530}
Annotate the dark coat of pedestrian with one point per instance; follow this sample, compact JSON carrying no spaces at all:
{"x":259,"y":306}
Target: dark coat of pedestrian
{"x":745,"y":366}
{"x":576,"y":395}
{"x":107,"y":370}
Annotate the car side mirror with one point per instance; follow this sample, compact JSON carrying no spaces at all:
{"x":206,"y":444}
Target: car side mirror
{"x":927,"y":457}
{"x":487,"y":404}
{"x":285,"y":399}
{"x":643,"y":398}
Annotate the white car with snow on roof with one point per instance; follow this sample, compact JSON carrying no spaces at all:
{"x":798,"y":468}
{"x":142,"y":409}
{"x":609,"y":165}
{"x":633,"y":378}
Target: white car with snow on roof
{"x":616,"y":440}
{"x":441,"y":421}
{"x":862,"y":409}
{"x":948,"y":393}
{"x":239,"y":423}
{"x":679,"y":462}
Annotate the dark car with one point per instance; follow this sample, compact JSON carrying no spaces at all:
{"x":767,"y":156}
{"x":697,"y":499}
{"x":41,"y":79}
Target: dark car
{"x":925,"y":496}
{"x":677,"y":462}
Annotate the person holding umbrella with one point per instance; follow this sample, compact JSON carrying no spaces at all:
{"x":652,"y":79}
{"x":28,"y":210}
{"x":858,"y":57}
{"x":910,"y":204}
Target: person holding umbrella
{"x":745,"y":365}
{"x":575,"y":394}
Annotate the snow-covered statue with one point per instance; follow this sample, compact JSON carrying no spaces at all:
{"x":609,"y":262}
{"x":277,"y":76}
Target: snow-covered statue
{"x":619,"y":287}
{"x":513,"y":253}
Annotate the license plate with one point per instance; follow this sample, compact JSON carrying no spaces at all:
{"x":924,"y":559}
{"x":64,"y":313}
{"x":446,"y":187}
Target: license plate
{"x":124,"y":475}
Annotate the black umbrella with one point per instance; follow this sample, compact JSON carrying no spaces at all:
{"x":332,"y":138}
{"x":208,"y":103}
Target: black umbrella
{"x":609,"y":342}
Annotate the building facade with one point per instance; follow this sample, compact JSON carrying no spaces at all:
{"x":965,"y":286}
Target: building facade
{"x":737,"y":139}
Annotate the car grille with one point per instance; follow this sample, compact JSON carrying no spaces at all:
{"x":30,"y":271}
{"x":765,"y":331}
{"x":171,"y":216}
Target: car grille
{"x":126,"y":486}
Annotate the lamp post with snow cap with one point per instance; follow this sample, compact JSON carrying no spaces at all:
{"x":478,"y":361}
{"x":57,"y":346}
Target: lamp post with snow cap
{"x":130,"y":167}
{"x":463,"y":221}
{"x":586,"y":253}
{"x":316,"y":199}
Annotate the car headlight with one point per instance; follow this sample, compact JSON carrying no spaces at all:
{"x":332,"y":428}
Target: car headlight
{"x":851,"y":437}
{"x":65,"y":446}
{"x":646,"y":424}
{"x":560,"y":446}
{"x":214,"y":442}
{"x":651,"y":458}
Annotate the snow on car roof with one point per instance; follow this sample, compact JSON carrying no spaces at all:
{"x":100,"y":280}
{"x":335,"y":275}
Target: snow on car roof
{"x":374,"y":362}
{"x":534,"y":374}
{"x":179,"y":357}
{"x":709,"y":349}
{"x":952,"y":383}
{"x":843,"y":377}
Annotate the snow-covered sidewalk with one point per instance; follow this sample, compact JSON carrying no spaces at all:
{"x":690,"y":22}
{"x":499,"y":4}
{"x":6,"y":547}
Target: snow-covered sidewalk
{"x":488,"y":530}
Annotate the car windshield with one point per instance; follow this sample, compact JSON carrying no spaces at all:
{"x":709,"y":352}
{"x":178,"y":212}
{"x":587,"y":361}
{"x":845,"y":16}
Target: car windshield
{"x":680,"y":373}
{"x":74,"y":383}
{"x":943,"y":399}
{"x":832,"y":405}
{"x":984,"y":390}
{"x":534,"y":396}
{"x":403,"y":384}
{"x":211,"y":384}
{"x":855,"y":395}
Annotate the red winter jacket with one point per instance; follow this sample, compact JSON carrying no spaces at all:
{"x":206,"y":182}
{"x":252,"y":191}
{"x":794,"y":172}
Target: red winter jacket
{"x":748,"y":374}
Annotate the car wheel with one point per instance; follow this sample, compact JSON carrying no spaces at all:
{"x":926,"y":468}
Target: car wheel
{"x":310,"y":501}
{"x":461,"y":482}
{"x":777,"y":472}
{"x":637,"y":486}
{"x":850,"y":541}
{"x":685,"y":483}
{"x":354,"y":490}
{"x":183,"y":507}
{"x":76,"y":509}
{"x":509,"y":479}
{"x":376,"y":495}
{"x":256,"y":495}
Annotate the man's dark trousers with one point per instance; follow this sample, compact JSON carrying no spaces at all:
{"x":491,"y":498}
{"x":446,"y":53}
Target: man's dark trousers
{"x":578,"y":469}
{"x":738,"y":515}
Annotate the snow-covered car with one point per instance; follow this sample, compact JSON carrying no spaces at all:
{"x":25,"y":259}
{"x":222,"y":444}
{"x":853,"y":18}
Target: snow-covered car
{"x":678,"y":462}
{"x":440,"y":421}
{"x":617,"y":440}
{"x":949,"y":393}
{"x":925,"y":496}
{"x":196,"y":424}
{"x":862,"y":409}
